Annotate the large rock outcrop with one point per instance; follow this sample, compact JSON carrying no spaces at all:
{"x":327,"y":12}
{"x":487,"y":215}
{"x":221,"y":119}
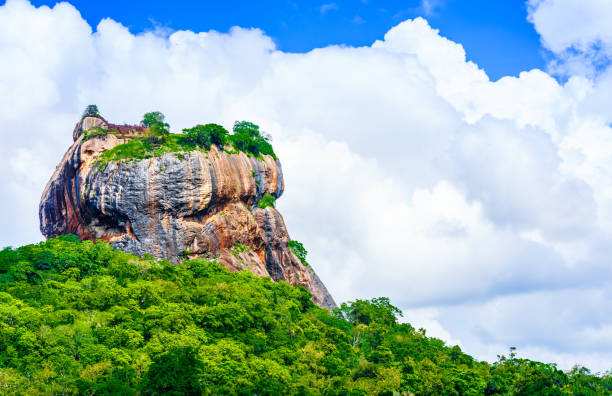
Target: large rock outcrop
{"x":195,"y":203}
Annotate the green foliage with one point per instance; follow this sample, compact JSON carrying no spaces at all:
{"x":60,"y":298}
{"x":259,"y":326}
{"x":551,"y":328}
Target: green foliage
{"x":176,"y":372}
{"x":143,"y":148}
{"x":267,"y":200}
{"x":97,"y":131}
{"x":239,"y":248}
{"x":94,"y":132}
{"x":379,"y":310}
{"x":246,"y":127}
{"x":299,"y":250}
{"x":206,"y":135}
{"x":157,"y":140}
{"x":82,"y":318}
{"x":152,"y":118}
{"x":249,"y":139}
{"x":155,"y":122}
{"x":91,"y":111}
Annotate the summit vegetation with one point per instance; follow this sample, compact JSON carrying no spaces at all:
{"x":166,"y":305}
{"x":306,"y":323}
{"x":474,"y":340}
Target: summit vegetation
{"x":156,"y":139}
{"x":82,"y":318}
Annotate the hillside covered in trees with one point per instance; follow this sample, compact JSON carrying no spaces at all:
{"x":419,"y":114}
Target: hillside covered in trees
{"x":83,"y":318}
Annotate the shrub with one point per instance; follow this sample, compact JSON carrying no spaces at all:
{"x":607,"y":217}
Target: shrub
{"x":265,"y":148}
{"x":267,"y":200}
{"x":97,"y":131}
{"x":298,"y":249}
{"x":239,"y":248}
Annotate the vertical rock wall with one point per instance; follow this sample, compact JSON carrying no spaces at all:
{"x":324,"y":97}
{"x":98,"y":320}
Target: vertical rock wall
{"x":196,"y":203}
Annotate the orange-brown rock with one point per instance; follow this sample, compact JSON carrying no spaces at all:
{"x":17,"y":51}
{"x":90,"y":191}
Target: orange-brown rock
{"x":195,"y":203}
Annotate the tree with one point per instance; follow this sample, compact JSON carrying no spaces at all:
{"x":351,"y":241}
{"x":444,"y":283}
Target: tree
{"x":91,"y":111}
{"x":152,"y":117}
{"x":207,"y":135}
{"x":246,"y":127}
{"x":366,"y":312}
{"x":155,"y":122}
{"x":105,"y":322}
{"x":244,"y":141}
{"x":248,"y":138}
{"x":175,"y":372}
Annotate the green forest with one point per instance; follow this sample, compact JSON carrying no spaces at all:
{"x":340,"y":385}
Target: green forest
{"x":82,"y":318}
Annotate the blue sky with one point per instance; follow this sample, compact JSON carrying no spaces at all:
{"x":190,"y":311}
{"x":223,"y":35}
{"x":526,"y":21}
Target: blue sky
{"x":495,"y":34}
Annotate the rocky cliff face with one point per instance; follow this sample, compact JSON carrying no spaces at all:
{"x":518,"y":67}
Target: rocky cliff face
{"x":195,"y":203}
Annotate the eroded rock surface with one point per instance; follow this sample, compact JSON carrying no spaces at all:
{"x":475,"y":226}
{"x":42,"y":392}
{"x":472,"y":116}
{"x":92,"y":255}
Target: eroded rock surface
{"x":196,"y":203}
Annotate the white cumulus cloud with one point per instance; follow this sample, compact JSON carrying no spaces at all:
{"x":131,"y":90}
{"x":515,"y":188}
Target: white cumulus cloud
{"x":578,"y":32}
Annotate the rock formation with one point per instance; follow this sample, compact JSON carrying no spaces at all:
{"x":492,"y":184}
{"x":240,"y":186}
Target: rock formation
{"x":179,"y":204}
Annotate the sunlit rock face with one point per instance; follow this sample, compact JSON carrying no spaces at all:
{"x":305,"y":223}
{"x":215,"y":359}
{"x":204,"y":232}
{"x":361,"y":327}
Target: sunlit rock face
{"x":197,"y":203}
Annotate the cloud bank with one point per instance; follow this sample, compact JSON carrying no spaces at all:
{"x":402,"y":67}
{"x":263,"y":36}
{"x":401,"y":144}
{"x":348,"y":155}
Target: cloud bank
{"x":483,"y":209}
{"x":577,"y":32}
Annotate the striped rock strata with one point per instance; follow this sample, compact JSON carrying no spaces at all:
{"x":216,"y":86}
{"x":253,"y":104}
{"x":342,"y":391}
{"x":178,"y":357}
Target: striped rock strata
{"x":200,"y":203}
